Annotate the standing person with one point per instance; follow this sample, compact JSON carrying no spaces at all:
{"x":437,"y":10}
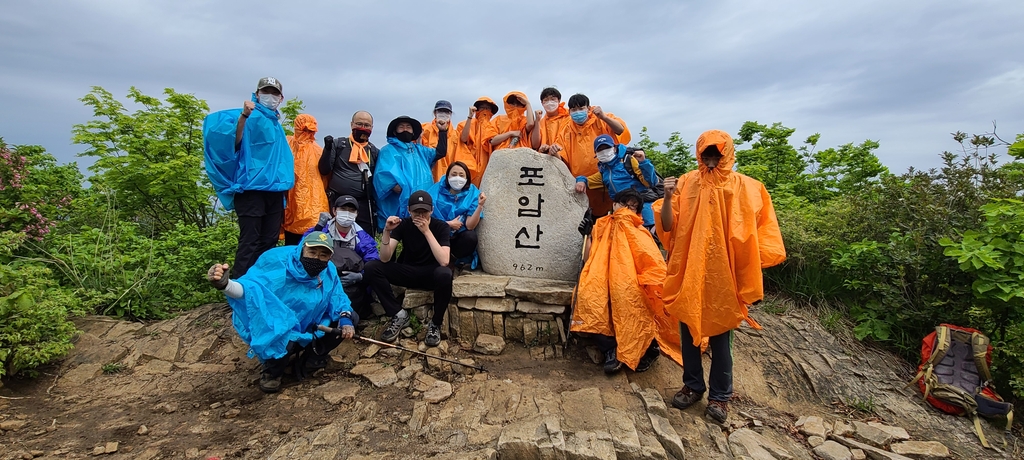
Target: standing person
{"x":577,"y":139}
{"x":349,"y":164}
{"x":475,"y":136}
{"x":460,"y":204}
{"x":431,"y":133}
{"x":550,"y":122}
{"x":620,"y":169}
{"x":278,"y":305}
{"x":721,"y":231}
{"x":423,"y":264}
{"x":404,"y":167}
{"x":619,"y":294}
{"x":306,"y":200}
{"x":353,"y":249}
{"x":515,"y":127}
{"x":250,"y":166}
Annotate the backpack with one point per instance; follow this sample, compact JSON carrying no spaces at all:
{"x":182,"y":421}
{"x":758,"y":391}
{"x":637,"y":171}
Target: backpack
{"x":654,"y":192}
{"x":954,"y":375}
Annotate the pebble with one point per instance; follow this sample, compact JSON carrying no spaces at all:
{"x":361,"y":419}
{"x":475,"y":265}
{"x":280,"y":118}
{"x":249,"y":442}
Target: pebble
{"x":143,"y":430}
{"x":232,"y":413}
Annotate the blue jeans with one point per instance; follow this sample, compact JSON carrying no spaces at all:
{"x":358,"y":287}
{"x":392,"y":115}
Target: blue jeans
{"x":720,"y":379}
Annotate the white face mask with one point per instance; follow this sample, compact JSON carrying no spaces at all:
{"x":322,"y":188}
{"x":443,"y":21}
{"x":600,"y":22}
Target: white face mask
{"x":606,"y":155}
{"x":443,"y":117}
{"x":270,"y":101}
{"x":345,"y":218}
{"x":457,"y":182}
{"x":551,"y":106}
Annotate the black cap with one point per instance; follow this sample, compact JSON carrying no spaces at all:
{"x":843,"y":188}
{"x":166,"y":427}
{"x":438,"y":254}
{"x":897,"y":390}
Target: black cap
{"x":346,"y":199}
{"x":443,"y":105}
{"x":420,"y":199}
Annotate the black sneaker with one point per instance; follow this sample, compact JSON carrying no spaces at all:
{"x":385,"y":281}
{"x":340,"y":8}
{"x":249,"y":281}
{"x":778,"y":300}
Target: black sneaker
{"x":685,"y":398}
{"x":394,"y":328}
{"x":611,"y":362}
{"x":717,"y":410}
{"x":269,"y":384}
{"x":433,"y":338}
{"x":648,"y":359}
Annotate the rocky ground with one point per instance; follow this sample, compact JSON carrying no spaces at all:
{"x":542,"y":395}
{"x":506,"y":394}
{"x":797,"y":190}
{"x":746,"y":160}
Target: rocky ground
{"x":184,"y":388}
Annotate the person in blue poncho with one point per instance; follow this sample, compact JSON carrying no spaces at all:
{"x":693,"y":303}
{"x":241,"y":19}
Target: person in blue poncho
{"x":278,"y":306}
{"x":250,"y":166}
{"x":460,"y":204}
{"x":404,"y":167}
{"x":619,"y":170}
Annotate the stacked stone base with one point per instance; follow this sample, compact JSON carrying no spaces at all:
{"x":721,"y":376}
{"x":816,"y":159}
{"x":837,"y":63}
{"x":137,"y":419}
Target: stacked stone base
{"x":526,"y":310}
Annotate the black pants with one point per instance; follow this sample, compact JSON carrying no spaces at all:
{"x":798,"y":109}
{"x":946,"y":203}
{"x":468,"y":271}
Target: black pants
{"x":463,"y":244}
{"x":720,"y":378}
{"x":360,"y":298}
{"x":292,"y":239}
{"x":260,"y":215}
{"x":306,"y":359}
{"x":435,"y":278}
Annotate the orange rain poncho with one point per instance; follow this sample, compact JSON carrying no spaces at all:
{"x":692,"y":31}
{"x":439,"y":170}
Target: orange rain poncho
{"x":307,"y":199}
{"x":429,"y":138}
{"x":477,"y":152}
{"x":625,"y":270}
{"x":725,"y":233}
{"x":577,"y":142}
{"x":513,"y":120}
{"x":551,"y":126}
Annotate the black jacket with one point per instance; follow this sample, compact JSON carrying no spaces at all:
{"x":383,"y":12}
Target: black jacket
{"x":345,"y":177}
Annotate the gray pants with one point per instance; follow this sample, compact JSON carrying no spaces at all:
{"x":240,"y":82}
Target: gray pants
{"x":720,"y":379}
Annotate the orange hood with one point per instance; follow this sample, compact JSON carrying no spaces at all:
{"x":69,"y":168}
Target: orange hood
{"x":514,"y":113}
{"x":305,"y":128}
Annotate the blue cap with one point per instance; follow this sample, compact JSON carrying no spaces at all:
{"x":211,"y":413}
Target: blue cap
{"x":603,"y":139}
{"x":445,"y":105}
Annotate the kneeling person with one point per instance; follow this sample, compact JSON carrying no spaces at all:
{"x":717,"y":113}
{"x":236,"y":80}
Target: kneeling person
{"x":423,"y":264}
{"x":619,"y":293}
{"x":279,"y":305}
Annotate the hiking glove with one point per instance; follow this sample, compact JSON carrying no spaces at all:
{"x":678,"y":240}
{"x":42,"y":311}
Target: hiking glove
{"x":349,"y":279}
{"x":324,"y":217}
{"x":587,"y":224}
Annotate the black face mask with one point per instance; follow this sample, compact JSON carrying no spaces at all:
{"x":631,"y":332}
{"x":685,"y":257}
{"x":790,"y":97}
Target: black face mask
{"x":313,"y":265}
{"x":404,"y":136}
{"x":361,"y":134}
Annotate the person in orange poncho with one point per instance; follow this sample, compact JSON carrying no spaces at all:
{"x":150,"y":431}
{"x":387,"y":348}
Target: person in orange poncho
{"x":550,"y":122}
{"x":577,"y":141}
{"x":475,"y":134}
{"x":720,"y":230}
{"x":619,"y":293}
{"x":515,"y":126}
{"x":442,"y":122}
{"x":307,"y":199}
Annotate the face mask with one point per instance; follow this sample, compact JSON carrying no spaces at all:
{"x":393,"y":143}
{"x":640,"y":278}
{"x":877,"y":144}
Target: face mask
{"x":313,"y":265}
{"x":579,"y":117}
{"x":404,"y":136}
{"x":443,"y":117}
{"x":269,"y":101}
{"x":457,"y":182}
{"x":361,"y":134}
{"x":606,"y":155}
{"x":345,"y":218}
{"x":551,"y":106}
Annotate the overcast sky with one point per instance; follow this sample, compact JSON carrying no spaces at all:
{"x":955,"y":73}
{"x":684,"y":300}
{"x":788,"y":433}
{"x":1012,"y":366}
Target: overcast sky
{"x":903,"y":73}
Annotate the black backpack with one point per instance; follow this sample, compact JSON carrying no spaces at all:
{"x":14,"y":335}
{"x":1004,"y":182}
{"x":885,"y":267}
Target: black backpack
{"x":654,"y":192}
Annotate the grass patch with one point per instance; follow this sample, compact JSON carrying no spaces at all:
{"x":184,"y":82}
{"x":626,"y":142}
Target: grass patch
{"x":113,"y":368}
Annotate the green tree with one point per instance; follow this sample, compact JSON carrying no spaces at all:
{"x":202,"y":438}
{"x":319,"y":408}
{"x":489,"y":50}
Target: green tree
{"x":291,"y":109}
{"x":675,"y":161}
{"x":36,"y":190}
{"x":150,"y":161}
{"x":842,"y":170}
{"x":770,"y":158}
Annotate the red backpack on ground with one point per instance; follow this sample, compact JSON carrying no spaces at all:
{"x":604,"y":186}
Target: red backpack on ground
{"x":954,"y":375}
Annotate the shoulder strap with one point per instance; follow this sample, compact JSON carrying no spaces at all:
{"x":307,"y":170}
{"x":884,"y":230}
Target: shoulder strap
{"x":979,"y":345}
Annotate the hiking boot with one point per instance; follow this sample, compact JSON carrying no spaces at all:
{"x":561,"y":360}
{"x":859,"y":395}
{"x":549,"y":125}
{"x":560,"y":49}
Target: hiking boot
{"x":269,"y":384}
{"x":685,"y":398}
{"x":648,"y":359}
{"x":433,"y":338}
{"x":611,"y":362}
{"x":717,"y":410}
{"x":394,"y":328}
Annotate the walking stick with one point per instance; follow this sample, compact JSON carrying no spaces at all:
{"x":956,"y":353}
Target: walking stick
{"x":334,"y":330}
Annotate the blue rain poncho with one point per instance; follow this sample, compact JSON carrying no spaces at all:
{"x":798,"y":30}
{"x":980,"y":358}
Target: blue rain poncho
{"x":282,"y":303}
{"x":263,"y":160}
{"x":404,"y":164}
{"x":459,"y":206}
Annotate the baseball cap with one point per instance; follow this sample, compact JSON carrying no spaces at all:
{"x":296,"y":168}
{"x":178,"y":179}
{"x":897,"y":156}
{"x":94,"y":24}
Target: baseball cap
{"x":346,"y":199}
{"x":266,"y":82}
{"x":445,"y":105}
{"x":420,"y":200}
{"x":321,"y":239}
{"x":603,"y":139}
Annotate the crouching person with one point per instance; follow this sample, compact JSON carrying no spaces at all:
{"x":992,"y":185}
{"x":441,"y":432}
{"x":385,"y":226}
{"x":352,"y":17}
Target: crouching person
{"x":353,"y":249}
{"x":423,"y":264}
{"x":618,"y":298}
{"x":279,"y":304}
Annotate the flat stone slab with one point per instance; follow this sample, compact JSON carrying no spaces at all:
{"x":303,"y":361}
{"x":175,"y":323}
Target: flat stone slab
{"x":539,"y":308}
{"x":417,"y":298}
{"x":831,"y":450}
{"x":748,"y":442}
{"x":495,"y":304}
{"x":338,"y":392}
{"x":921,"y":449}
{"x":551,"y":292}
{"x":487,"y":344}
{"x":479,"y":285}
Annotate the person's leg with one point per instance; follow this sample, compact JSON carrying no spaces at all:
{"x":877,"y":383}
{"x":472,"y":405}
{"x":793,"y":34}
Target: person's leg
{"x":649,"y":357}
{"x":720,"y":378}
{"x":380,"y":277}
{"x":607,"y":344}
{"x":359,"y":298}
{"x":315,"y":355}
{"x":463,"y":244}
{"x":693,"y":372}
{"x":249,"y":209}
{"x":273,"y":217}
{"x":442,"y":285}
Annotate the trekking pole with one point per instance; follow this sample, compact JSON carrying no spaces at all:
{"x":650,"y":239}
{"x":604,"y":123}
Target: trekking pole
{"x":335,"y":330}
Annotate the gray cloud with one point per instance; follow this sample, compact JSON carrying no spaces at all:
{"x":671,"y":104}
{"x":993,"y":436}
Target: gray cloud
{"x":906,"y":73}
